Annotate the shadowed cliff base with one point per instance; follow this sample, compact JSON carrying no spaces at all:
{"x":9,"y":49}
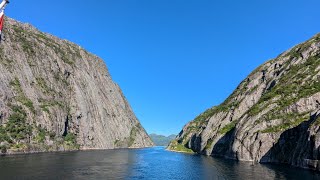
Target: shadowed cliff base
{"x":298,"y":146}
{"x":222,"y":147}
{"x":264,"y":112}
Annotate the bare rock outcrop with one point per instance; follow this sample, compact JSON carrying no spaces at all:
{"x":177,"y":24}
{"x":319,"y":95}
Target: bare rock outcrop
{"x":272,"y":116}
{"x":55,"y":96}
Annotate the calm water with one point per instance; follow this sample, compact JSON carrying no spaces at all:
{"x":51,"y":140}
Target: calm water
{"x":152,"y":163}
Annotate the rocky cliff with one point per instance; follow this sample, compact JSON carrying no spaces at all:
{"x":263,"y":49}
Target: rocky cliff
{"x":272,"y":116}
{"x":55,"y":96}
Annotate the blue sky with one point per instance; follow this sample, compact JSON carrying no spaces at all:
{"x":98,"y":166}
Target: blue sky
{"x":175,"y":58}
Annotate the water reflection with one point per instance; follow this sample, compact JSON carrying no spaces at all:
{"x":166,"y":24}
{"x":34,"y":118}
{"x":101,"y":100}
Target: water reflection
{"x":71,"y":165}
{"x":229,"y":169}
{"x":152,"y":163}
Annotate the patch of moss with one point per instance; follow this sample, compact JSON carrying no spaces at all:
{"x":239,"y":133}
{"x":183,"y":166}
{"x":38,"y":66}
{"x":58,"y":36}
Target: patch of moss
{"x":46,"y":104}
{"x":227,"y":128}
{"x":290,"y":121}
{"x":133,"y":134}
{"x":175,"y":146}
{"x":27,"y":102}
{"x":57,"y":48}
{"x":116,"y":142}
{"x":58,"y":78}
{"x":253,"y":89}
{"x":66,"y":59}
{"x":18,"y":146}
{"x":43,"y":85}
{"x":4,"y":135}
{"x":21,"y":36}
{"x":16,"y":128}
{"x":291,"y":87}
{"x":45,"y":109}
{"x":209,"y":144}
{"x":15,"y":83}
{"x":41,"y":135}
{"x":71,"y":140}
{"x":203,"y":118}
{"x":5,"y":61}
{"x":3,"y":149}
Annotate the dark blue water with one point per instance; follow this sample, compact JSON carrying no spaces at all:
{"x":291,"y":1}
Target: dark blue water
{"x":151,"y":163}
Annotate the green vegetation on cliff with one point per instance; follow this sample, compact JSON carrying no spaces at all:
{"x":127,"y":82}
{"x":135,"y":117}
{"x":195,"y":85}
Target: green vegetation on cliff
{"x":61,"y":89}
{"x":160,"y":140}
{"x":228,"y":127}
{"x":20,"y":95}
{"x":270,"y":100}
{"x":18,"y":134}
{"x":16,"y":128}
{"x":175,"y":146}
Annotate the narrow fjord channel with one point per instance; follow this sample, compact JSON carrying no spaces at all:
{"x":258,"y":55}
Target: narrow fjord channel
{"x":149,"y":163}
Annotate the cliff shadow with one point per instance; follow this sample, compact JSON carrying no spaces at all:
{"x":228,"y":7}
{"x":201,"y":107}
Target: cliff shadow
{"x":223,"y":146}
{"x":297,"y":147}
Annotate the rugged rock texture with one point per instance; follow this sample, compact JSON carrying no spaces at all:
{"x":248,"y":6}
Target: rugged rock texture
{"x":273,"y":115}
{"x":55,"y":96}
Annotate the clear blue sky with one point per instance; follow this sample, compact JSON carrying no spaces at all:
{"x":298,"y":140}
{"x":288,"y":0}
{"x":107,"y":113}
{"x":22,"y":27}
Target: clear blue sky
{"x":175,"y":58}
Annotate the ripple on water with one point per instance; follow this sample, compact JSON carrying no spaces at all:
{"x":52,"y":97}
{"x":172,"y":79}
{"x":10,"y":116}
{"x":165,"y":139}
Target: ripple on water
{"x":149,"y":163}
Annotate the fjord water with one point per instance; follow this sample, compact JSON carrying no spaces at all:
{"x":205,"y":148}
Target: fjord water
{"x":150,"y":163}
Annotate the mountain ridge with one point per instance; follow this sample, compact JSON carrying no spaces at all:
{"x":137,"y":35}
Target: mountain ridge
{"x":161,"y":140}
{"x":279,"y":100}
{"x":56,"y":96}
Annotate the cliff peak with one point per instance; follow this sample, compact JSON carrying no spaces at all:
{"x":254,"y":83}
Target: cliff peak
{"x":272,"y":116}
{"x":55,"y":96}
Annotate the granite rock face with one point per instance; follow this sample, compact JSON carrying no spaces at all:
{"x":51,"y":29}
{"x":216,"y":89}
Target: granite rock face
{"x":55,"y":96}
{"x":272,"y":116}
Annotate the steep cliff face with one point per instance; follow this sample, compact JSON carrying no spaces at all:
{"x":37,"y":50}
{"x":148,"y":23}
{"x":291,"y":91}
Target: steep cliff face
{"x":56,"y":96}
{"x":272,"y":116}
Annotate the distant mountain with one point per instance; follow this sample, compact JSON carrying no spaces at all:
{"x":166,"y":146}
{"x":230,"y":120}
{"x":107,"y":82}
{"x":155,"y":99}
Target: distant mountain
{"x":160,"y":140}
